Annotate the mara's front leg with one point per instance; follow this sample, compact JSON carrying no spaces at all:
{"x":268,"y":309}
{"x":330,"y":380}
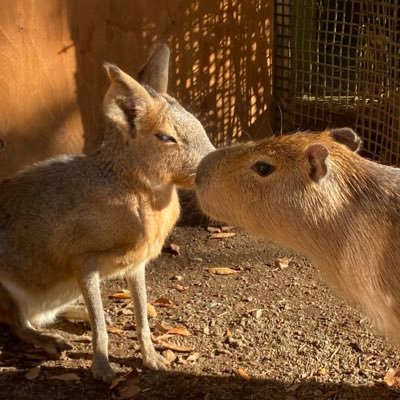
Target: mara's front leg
{"x":137,"y":284}
{"x":89,"y":281}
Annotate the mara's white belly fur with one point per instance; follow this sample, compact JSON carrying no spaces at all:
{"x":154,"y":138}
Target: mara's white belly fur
{"x":42,"y":307}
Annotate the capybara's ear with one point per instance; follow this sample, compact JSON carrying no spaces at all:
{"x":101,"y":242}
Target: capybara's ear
{"x":316,"y":156}
{"x":155,"y":72}
{"x":347,"y":137}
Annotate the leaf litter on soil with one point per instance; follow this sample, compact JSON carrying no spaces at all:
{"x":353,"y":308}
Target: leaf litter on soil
{"x":172,"y":248}
{"x":122,"y":295}
{"x":163,"y":302}
{"x":126,"y":386}
{"x":177,"y":330}
{"x":243,"y":374}
{"x":151,"y":311}
{"x":213,"y":229}
{"x":175,"y":347}
{"x":115,"y":330}
{"x":222,"y":271}
{"x":222,"y":235}
{"x":33,"y":373}
{"x":392,"y":378}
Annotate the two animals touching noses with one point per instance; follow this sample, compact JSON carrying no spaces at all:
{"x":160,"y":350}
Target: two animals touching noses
{"x":68,"y":222}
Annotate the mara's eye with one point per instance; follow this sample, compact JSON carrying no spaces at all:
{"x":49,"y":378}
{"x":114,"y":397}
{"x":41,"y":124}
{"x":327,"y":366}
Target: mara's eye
{"x":165,"y":138}
{"x":262,"y":168}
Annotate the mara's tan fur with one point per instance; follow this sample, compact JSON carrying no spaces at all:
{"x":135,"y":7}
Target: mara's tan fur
{"x":68,"y":222}
{"x":319,"y":197}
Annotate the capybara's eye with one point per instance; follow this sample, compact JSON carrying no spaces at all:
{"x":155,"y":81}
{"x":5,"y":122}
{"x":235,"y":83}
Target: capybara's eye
{"x":262,"y":168}
{"x":165,"y":138}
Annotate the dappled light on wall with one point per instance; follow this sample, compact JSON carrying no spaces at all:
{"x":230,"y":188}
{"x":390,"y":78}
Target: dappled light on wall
{"x":222,"y":57}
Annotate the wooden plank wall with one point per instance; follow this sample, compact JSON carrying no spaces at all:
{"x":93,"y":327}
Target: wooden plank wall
{"x":52,"y":82}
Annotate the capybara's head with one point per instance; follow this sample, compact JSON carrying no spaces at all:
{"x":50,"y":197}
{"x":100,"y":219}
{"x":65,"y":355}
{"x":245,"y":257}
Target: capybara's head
{"x":273,"y":187}
{"x":168,"y":141}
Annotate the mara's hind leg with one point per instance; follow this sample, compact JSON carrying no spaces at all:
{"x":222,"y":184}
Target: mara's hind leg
{"x":80,"y":313}
{"x":11,"y":315}
{"x":54,"y":345}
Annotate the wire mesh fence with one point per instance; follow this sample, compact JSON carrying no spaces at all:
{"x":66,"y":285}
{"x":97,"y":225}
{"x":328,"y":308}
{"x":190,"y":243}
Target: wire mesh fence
{"x":337,"y":63}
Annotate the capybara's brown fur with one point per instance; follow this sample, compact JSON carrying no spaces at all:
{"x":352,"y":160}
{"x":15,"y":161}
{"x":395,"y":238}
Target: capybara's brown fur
{"x":68,"y":222}
{"x":313,"y":193}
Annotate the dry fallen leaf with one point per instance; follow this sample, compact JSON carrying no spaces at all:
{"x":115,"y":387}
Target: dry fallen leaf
{"x":118,"y":380}
{"x":222,"y":235}
{"x":161,"y":328}
{"x":292,"y":388}
{"x":123,"y":294}
{"x":172,"y":248}
{"x":213,"y":229}
{"x":129,"y":391}
{"x":161,"y":337}
{"x":228,"y":333}
{"x":181,"y":288}
{"x":169,"y":355}
{"x":222,"y":271}
{"x":175,"y":347}
{"x":163,"y":302}
{"x":33,"y":373}
{"x":322,"y":371}
{"x":193,"y":357}
{"x":227,"y":228}
{"x":151,"y":311}
{"x":332,"y":394}
{"x":169,"y":330}
{"x":66,"y":377}
{"x":127,"y":386}
{"x":392,"y":378}
{"x":179,"y":330}
{"x":114,"y":329}
{"x":282,"y":262}
{"x":243,"y":374}
{"x":127,"y":311}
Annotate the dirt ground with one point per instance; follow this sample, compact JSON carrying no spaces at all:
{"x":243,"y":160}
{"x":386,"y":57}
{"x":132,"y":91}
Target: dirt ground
{"x":291,"y":336}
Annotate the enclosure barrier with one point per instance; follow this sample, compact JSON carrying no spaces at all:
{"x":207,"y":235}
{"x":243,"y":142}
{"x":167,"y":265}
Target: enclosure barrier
{"x":337,"y":62}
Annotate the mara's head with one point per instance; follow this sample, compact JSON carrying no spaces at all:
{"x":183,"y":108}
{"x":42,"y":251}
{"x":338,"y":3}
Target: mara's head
{"x":273,"y":186}
{"x":167,"y":140}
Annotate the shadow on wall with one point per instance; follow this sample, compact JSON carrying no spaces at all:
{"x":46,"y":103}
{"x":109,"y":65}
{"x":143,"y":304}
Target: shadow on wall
{"x":52,"y":82}
{"x":221,"y":58}
{"x":223,"y":66}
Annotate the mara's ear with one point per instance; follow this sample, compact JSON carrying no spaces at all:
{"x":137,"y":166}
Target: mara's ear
{"x":347,"y":137}
{"x":155,"y":71}
{"x":125,"y":100}
{"x":316,"y":156}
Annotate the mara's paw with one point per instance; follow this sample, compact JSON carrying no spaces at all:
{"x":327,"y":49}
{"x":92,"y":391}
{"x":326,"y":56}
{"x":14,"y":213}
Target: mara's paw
{"x":102,"y":371}
{"x":155,"y":362}
{"x":55,"y":345}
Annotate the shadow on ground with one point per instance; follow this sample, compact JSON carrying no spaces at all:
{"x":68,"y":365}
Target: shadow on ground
{"x":178,"y":385}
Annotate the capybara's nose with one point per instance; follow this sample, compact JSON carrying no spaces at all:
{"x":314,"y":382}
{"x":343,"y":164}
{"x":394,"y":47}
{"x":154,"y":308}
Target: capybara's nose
{"x":207,"y":167}
{"x":204,"y":169}
{"x":200,"y":174}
